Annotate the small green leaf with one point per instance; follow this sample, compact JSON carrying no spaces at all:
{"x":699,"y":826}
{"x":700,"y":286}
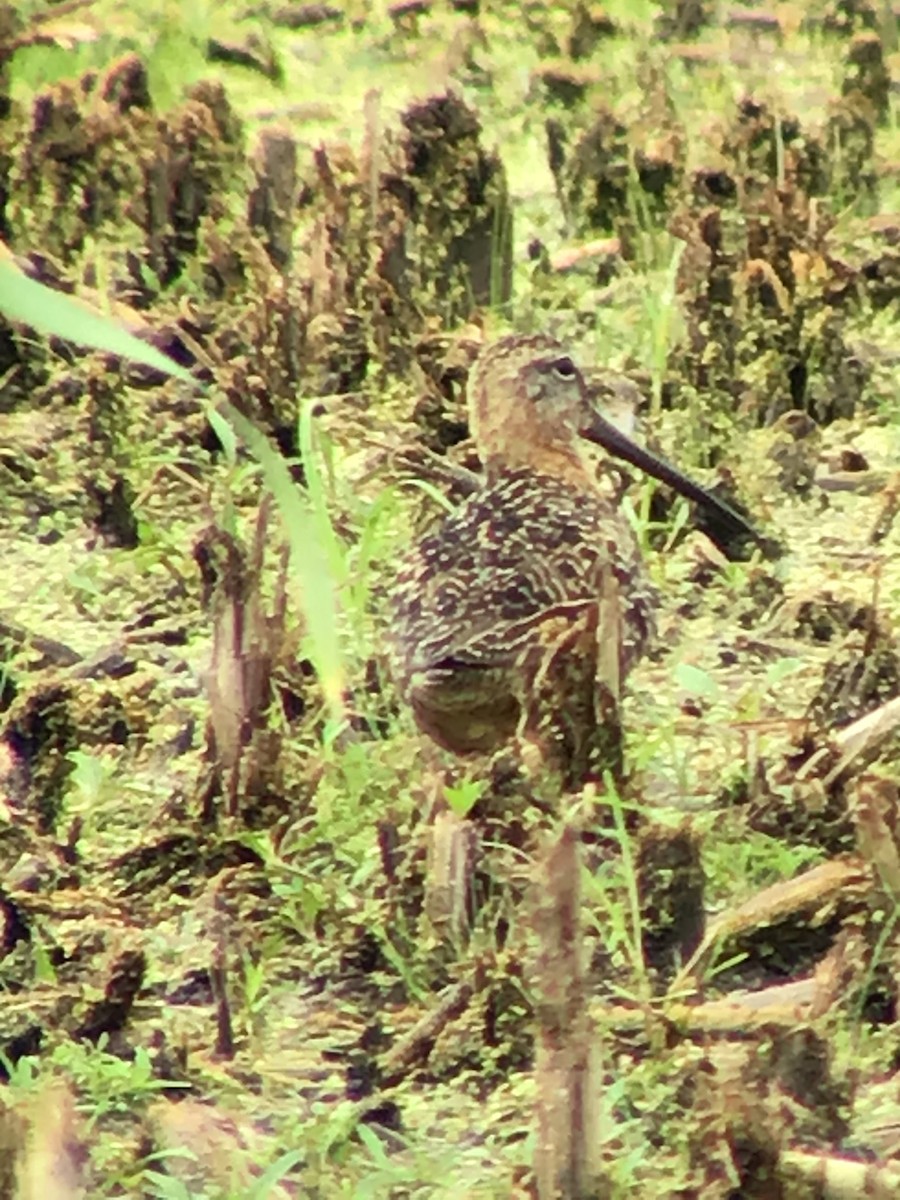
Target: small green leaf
{"x":273,"y":1174}
{"x":696,"y":681}
{"x":782,"y":669}
{"x":463,"y":797}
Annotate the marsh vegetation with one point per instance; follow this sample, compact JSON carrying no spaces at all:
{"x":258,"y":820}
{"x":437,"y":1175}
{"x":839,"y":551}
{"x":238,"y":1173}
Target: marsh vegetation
{"x":221,"y":970}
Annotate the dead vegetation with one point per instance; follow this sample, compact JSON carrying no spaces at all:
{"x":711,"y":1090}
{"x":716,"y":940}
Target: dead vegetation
{"x":234,"y":928}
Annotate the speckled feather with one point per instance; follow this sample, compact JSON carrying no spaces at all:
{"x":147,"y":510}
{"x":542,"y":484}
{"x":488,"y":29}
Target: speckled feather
{"x":521,"y":546}
{"x":509,"y":585}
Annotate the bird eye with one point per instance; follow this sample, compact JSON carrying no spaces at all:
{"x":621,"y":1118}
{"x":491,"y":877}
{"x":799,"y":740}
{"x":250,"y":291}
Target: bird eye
{"x":564,"y":368}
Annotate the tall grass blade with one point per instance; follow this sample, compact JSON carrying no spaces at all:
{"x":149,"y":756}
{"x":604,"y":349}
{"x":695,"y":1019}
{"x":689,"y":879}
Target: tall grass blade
{"x":309,"y":558}
{"x":57,"y":315}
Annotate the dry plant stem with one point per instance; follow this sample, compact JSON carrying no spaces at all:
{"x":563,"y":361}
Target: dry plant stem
{"x":372,"y":152}
{"x":61,"y":10}
{"x":611,"y":634}
{"x":12,"y":1142}
{"x":56,"y":653}
{"x":388,"y":845}
{"x":240,"y":677}
{"x":53,"y":1157}
{"x":222,"y":1148}
{"x":840,"y":1178}
{"x":415,"y":1046}
{"x":218,"y":978}
{"x":124,"y":979}
{"x":865,"y":734}
{"x":816,"y":888}
{"x":784,"y":1006}
{"x":855,"y":741}
{"x":37,"y":33}
{"x":566,"y":1161}
{"x":449,"y":884}
{"x":271,"y":203}
{"x":875,"y":815}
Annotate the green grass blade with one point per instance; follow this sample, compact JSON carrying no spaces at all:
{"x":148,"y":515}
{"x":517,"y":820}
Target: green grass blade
{"x":308,"y":556}
{"x":57,"y":315}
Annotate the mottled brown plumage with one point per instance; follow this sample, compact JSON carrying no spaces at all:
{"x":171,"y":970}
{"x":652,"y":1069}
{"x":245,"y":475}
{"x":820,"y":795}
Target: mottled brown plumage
{"x":523,"y":613}
{"x":496,"y":628}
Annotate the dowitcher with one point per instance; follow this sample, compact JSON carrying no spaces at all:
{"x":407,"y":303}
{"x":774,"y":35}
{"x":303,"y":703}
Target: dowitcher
{"x":523,"y":612}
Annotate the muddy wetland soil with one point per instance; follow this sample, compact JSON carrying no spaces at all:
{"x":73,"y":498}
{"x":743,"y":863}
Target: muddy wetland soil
{"x":229,"y":966}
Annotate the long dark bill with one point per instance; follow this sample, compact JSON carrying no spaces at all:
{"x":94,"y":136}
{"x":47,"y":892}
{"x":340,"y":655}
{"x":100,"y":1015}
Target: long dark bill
{"x":723,"y":524}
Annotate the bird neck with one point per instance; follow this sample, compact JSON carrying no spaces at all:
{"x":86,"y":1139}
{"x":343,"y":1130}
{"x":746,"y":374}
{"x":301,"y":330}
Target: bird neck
{"x":558,"y":461}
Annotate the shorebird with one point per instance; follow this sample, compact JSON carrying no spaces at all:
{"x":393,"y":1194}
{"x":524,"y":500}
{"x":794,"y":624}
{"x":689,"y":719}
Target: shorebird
{"x":522,"y":613}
